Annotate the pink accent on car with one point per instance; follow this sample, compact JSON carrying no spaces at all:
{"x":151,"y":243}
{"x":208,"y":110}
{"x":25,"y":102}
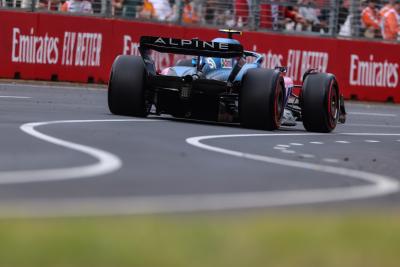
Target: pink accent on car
{"x":288,"y":82}
{"x":165,"y":71}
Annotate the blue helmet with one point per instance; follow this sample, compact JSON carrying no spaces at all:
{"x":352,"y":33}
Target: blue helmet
{"x":216,"y":63}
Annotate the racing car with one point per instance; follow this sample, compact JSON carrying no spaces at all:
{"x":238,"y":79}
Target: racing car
{"x":220,"y":81}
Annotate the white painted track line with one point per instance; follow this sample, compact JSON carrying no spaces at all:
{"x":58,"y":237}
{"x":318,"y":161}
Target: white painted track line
{"x":342,"y":142}
{"x":107,"y":162}
{"x":316,"y":143}
{"x":378,"y":185}
{"x":372,"y":141}
{"x":329,"y":160}
{"x":295,"y":144}
{"x":372,"y":125}
{"x":372,"y":114}
{"x":285,"y":146}
{"x":15,"y":97}
{"x":307,"y":156}
{"x":289,"y":151}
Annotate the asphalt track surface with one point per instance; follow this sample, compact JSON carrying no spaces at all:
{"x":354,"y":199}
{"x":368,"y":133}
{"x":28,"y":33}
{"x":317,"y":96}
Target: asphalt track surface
{"x":63,"y":153}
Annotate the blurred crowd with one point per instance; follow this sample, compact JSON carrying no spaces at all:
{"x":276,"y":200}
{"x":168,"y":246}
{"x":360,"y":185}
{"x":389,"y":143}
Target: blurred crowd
{"x":381,"y":21}
{"x":365,"y":18}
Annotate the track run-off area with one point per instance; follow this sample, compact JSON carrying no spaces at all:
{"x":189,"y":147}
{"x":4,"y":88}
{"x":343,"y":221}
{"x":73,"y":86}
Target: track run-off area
{"x":63,"y":153}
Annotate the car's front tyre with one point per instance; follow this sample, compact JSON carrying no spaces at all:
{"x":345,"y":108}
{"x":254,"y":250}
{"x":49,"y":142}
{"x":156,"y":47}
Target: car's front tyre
{"x":320,"y":102}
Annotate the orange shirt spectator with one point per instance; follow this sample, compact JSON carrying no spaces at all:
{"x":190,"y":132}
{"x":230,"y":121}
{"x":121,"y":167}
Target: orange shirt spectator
{"x":390,"y":23}
{"x":386,"y":7}
{"x":189,"y":15}
{"x":370,"y":17}
{"x":147,"y":11}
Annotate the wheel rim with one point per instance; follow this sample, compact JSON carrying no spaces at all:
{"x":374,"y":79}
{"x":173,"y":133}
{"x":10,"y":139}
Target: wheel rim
{"x":333,"y":105}
{"x":278,"y":105}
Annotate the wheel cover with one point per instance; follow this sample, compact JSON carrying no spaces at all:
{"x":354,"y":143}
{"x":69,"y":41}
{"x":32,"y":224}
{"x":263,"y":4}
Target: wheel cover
{"x":333,"y":105}
{"x":278,"y":105}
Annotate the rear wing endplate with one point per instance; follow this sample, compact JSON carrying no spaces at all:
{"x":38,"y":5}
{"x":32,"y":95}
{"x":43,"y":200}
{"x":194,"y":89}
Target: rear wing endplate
{"x":194,"y":47}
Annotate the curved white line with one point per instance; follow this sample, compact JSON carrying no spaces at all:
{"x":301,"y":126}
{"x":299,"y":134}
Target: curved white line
{"x":379,"y":185}
{"x":106,"y":162}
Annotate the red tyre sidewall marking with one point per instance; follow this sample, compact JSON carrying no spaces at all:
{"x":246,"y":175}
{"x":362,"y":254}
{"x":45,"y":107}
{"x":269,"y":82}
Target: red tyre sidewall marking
{"x":330,"y":116}
{"x":277,"y":113}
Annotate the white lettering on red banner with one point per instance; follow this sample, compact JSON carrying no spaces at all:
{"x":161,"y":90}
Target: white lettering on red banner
{"x":34,"y":49}
{"x":129,"y":47}
{"x":373,"y":73}
{"x":299,"y":61}
{"x":271,"y":60}
{"x":78,"y":49}
{"x":82,"y":49}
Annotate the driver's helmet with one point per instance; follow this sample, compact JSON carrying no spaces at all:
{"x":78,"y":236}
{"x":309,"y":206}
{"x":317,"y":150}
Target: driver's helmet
{"x":216,"y":63}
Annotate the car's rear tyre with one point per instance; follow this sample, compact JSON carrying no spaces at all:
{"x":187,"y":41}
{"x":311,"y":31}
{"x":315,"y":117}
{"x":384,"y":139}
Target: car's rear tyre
{"x":262,"y":98}
{"x":126,"y":88}
{"x":320,"y":102}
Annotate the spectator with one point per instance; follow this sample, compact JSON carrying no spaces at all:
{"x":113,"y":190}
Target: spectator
{"x":116,"y":7}
{"x":77,"y":6}
{"x":324,"y":18}
{"x":189,"y":14}
{"x":386,"y":7}
{"x":293,"y":20}
{"x":162,"y":8}
{"x":131,"y":8}
{"x":147,"y":11}
{"x":99,"y":6}
{"x":390,"y":21}
{"x":209,"y":11}
{"x":43,"y":4}
{"x":310,"y":14}
{"x":370,"y":19}
{"x":343,"y":14}
{"x":25,"y":3}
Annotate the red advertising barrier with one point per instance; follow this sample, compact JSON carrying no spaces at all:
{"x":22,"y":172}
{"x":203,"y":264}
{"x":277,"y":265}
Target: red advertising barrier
{"x":43,"y":46}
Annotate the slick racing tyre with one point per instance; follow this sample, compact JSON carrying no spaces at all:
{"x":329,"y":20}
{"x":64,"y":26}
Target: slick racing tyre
{"x":126,"y":88}
{"x":320,"y":101}
{"x":261,"y":100}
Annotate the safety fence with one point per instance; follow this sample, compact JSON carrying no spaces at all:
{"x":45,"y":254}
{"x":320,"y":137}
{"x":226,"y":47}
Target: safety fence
{"x":42,"y":46}
{"x":371,"y":19}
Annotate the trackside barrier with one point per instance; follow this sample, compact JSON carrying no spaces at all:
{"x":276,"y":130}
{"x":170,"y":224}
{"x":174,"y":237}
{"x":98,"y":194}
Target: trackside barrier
{"x":42,"y":46}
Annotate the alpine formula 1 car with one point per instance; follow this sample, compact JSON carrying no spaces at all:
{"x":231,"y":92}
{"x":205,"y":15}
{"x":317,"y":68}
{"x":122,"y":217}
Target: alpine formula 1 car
{"x":221,"y":82}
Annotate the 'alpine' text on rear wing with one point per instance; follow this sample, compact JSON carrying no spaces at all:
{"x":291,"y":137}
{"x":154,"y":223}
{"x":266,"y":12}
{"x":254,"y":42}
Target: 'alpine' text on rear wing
{"x":193,"y":47}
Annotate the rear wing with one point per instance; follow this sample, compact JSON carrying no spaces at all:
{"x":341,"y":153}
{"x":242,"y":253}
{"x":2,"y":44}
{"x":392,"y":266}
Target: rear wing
{"x":194,"y":47}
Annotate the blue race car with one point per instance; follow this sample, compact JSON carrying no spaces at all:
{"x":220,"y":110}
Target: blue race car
{"x":221,"y":82}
